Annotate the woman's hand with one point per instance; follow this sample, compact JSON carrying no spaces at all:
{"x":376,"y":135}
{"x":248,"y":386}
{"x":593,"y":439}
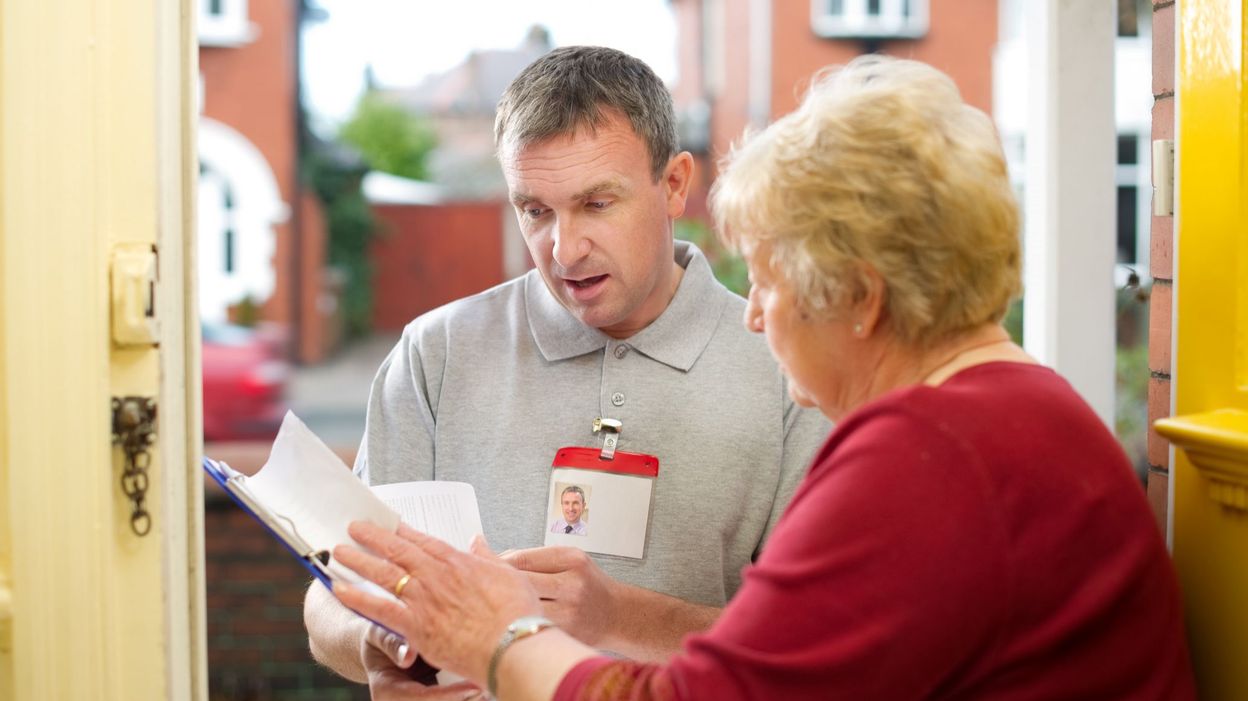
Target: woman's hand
{"x":455,"y":607}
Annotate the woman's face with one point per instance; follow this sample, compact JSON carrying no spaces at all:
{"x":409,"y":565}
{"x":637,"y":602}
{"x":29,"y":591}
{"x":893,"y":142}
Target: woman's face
{"x":802,"y":345}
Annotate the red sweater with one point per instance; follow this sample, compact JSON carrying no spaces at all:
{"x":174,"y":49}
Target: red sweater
{"x":985,"y":539}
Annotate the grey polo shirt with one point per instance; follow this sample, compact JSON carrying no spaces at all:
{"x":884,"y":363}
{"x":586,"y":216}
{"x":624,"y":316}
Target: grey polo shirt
{"x":485,"y":389}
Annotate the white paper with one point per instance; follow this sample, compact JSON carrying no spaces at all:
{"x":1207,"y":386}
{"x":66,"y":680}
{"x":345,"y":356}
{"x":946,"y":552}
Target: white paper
{"x":306,"y":485}
{"x":445,"y":510}
{"x":307,"y":488}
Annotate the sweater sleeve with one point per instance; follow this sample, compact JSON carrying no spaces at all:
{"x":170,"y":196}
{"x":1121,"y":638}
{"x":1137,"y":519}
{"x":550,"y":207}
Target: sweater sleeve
{"x":622,"y":680}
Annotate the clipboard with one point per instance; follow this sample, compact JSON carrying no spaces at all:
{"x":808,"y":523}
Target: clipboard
{"x":283,"y":531}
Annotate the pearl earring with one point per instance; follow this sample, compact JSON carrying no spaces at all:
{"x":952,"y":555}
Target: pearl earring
{"x":857,"y":329}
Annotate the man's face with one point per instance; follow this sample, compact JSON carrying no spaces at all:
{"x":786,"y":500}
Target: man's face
{"x":573,"y":506}
{"x":597,"y":224}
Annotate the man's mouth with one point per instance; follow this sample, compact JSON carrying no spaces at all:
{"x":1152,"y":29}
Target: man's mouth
{"x":585,"y":290}
{"x":586,"y":282}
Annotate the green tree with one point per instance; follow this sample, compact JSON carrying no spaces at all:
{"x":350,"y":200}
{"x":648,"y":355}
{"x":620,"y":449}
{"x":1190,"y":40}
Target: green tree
{"x":334,"y":174}
{"x":390,"y":138}
{"x":728,"y":267}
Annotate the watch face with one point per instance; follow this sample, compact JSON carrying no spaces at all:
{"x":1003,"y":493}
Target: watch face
{"x":531,"y":624}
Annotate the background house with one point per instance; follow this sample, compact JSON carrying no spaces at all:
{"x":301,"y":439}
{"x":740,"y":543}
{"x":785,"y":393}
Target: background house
{"x":261,"y":232}
{"x":457,"y":234}
{"x":745,"y":63}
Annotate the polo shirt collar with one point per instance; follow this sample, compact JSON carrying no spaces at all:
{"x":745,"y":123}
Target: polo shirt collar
{"x":677,"y":338}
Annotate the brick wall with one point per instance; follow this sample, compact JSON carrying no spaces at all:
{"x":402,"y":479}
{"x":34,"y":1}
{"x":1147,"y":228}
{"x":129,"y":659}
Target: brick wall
{"x":427,"y":256}
{"x":257,"y":644}
{"x":1161,"y":266}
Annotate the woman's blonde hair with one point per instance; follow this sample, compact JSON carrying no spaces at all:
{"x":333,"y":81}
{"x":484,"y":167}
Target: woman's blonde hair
{"x":883,"y":164}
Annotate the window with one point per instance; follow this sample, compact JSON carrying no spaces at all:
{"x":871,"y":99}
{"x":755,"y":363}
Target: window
{"x":1128,"y":18}
{"x":1134,"y":19}
{"x":227,"y":204}
{"x":1133,"y":220}
{"x":224,"y":23}
{"x":903,"y":19}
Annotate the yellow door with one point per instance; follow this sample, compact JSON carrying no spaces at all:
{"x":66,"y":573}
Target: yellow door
{"x":100,"y":569}
{"x":1210,"y":423}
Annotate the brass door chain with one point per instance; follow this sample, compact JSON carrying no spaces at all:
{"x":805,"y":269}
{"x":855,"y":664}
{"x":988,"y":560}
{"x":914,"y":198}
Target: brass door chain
{"x":134,"y":429}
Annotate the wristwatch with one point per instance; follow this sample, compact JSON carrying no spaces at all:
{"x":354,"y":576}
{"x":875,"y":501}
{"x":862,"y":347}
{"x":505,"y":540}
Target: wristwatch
{"x":519,"y":629}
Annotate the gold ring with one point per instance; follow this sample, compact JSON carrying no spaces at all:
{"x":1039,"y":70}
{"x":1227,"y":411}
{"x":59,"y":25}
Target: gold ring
{"x":398,"y":586}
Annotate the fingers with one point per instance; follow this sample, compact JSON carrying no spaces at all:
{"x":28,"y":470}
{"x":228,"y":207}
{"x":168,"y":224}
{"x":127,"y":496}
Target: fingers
{"x":393,"y":685}
{"x":550,"y":559}
{"x":480,"y":548}
{"x":392,"y":614}
{"x":547,"y":586}
{"x":382,"y":572}
{"x":394,"y":647}
{"x":408,"y":548}
{"x":435,"y":548}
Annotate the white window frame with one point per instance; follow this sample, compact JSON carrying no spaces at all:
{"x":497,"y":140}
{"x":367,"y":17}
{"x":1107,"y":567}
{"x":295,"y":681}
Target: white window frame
{"x":854,"y":22}
{"x":229,"y":28}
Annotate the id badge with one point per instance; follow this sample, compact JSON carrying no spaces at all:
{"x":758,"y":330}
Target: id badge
{"x":600,"y":506}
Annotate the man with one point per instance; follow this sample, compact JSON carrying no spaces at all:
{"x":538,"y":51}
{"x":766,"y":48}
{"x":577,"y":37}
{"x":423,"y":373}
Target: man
{"x":572,"y":501}
{"x":617,"y":322}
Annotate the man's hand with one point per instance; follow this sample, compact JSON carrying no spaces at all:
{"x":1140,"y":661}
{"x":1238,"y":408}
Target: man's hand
{"x":386,"y":661}
{"x":380,"y":649}
{"x":599,"y":611}
{"x":576,"y":594}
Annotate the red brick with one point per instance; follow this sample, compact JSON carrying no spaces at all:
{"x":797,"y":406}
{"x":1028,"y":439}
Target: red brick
{"x":292,"y":654}
{"x":1161,"y":248}
{"x":1158,"y":407}
{"x":1163,"y":50}
{"x":1158,"y":489}
{"x":1163,"y":118}
{"x":1159,"y":306}
{"x":259,"y":627}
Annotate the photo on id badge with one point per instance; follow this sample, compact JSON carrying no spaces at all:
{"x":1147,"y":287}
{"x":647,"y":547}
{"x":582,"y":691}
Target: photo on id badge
{"x":573,"y":507}
{"x":600,"y":506}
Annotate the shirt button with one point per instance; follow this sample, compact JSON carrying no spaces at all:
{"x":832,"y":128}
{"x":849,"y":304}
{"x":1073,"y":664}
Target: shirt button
{"x":621,"y":351}
{"x":617,"y":399}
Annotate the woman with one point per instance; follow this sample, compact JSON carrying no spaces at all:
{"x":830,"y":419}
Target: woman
{"x":970,"y":530}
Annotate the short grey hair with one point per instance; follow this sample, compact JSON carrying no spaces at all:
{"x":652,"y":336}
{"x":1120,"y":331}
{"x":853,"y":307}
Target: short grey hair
{"x":571,"y":87}
{"x":575,"y":490}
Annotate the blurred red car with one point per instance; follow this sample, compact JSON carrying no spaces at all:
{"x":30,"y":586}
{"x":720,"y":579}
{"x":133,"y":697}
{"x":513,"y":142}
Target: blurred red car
{"x":245,"y":380}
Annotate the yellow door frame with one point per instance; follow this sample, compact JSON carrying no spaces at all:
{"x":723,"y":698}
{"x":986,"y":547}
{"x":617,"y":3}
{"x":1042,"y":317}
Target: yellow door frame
{"x":1210,"y":400}
{"x":97,"y":155}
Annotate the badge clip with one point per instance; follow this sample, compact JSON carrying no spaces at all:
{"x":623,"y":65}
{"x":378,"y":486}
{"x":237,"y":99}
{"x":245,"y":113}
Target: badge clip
{"x":610,"y":430}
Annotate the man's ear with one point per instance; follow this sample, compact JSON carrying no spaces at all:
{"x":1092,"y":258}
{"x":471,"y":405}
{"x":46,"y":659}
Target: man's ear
{"x":677,"y":178}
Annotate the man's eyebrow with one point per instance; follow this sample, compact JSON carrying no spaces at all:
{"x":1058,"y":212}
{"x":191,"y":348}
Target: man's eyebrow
{"x":611,"y":185}
{"x":520,"y":199}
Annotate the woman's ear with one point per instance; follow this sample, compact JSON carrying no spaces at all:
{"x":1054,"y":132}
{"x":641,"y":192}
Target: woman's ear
{"x":867,"y":309}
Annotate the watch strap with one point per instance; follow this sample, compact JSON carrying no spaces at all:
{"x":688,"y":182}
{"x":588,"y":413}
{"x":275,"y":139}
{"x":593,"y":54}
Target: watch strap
{"x":519,"y":629}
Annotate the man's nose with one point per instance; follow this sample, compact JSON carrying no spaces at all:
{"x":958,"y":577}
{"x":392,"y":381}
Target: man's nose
{"x":571,"y":245}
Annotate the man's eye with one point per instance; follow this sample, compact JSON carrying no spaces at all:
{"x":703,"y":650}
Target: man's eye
{"x":598,"y":204}
{"x":534,"y":212}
